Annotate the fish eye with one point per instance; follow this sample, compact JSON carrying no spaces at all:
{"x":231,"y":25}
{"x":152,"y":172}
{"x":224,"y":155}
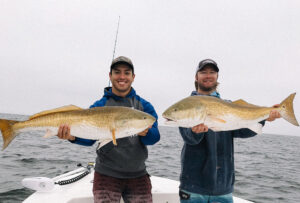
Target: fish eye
{"x":145,"y":117}
{"x":175,"y":109}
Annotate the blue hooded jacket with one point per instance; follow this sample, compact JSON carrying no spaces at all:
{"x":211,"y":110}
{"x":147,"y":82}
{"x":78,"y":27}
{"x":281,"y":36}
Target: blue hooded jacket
{"x":207,"y":159}
{"x":127,"y":159}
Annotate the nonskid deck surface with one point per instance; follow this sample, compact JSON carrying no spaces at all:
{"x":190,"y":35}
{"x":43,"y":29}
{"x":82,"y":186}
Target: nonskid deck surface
{"x":163,"y":190}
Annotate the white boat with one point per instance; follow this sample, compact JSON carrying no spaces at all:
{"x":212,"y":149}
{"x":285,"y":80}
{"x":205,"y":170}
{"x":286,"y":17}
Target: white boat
{"x":76,"y":187}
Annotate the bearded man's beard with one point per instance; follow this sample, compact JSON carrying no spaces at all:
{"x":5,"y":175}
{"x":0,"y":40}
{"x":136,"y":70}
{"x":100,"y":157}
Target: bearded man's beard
{"x":208,"y":89}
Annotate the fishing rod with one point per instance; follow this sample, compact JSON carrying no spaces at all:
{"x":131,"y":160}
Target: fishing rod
{"x":115,"y":44}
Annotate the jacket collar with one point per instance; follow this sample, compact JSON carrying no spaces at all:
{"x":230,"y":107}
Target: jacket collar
{"x":214,"y":94}
{"x":108,"y":93}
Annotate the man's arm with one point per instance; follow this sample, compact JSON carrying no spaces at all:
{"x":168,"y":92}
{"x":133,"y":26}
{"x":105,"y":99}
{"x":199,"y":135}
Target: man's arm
{"x":244,"y":132}
{"x":151,"y":135}
{"x":194,"y":135}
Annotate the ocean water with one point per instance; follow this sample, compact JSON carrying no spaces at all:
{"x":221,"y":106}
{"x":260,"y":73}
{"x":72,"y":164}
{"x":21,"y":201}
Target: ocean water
{"x":267,"y":166}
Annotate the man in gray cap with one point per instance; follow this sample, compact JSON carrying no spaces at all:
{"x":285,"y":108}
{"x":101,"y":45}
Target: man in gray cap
{"x":210,"y":68}
{"x":207,"y":159}
{"x":120,"y":171}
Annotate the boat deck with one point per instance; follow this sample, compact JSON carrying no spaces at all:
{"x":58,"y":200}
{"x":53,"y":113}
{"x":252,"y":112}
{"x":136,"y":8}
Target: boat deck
{"x":163,"y":190}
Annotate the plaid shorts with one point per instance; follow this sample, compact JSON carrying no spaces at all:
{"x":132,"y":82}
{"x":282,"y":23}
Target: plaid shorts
{"x":108,"y":189}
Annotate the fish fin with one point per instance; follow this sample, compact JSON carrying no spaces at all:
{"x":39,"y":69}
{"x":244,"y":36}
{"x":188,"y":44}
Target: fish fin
{"x":242,"y":102}
{"x":56,"y":110}
{"x":7,"y":132}
{"x":49,"y":133}
{"x":219,"y":120}
{"x":286,"y":110}
{"x":113,"y":134}
{"x":257,"y":128}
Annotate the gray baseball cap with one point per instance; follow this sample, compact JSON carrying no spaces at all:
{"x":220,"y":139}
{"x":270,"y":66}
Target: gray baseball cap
{"x":122,"y":60}
{"x":206,"y":62}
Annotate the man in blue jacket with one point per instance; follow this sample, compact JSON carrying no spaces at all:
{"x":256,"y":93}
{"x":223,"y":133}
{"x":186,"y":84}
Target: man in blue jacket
{"x":120,"y":170}
{"x":207,"y":158}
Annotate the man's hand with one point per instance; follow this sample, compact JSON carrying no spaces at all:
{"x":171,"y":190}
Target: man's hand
{"x":274,"y":114}
{"x":200,"y":128}
{"x":64,"y":132}
{"x":144,"y":133}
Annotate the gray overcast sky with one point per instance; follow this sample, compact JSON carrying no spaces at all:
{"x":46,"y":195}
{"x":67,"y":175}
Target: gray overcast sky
{"x":57,"y":52}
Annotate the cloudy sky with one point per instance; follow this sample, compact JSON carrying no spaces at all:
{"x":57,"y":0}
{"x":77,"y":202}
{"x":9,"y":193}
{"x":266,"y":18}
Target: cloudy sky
{"x":57,"y":52}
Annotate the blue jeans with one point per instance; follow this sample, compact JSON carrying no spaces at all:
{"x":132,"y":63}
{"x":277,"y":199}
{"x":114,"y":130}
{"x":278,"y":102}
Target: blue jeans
{"x":189,"y":197}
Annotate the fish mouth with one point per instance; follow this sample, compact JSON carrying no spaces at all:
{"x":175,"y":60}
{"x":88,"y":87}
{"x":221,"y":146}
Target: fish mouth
{"x":170,"y":122}
{"x":169,"y":119}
